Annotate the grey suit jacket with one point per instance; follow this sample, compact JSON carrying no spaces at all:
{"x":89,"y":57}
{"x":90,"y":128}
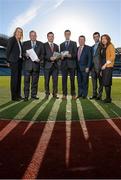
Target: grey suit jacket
{"x":96,"y":59}
{"x":39,"y":49}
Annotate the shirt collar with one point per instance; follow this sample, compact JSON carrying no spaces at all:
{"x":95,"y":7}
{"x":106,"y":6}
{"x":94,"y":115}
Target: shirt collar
{"x":50,"y":43}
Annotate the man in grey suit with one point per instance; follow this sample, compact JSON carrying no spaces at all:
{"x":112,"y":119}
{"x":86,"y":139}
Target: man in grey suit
{"x":68,"y":64}
{"x":96,"y":68}
{"x":32,"y":69}
{"x":51,"y":65}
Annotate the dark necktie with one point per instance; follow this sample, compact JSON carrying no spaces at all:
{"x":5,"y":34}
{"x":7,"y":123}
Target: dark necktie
{"x":51,"y":46}
{"x":66,"y":44}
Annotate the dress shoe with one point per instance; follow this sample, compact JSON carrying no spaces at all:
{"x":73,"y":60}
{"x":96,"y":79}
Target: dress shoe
{"x":15,"y":99}
{"x":64,"y":98}
{"x":93,"y":97}
{"x":99,"y":98}
{"x":78,"y":97}
{"x":56,"y":97}
{"x":35,"y":97}
{"x":20,"y":98}
{"x":73,"y":97}
{"x":26,"y":99}
{"x":84,"y":97}
{"x":107,"y":100}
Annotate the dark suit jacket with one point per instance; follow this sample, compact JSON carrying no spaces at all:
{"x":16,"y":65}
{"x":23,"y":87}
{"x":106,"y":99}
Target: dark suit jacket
{"x":85,"y":59}
{"x":69,"y":62}
{"x":48,"y":53}
{"x":96,"y":58}
{"x":28,"y":63}
{"x":13,"y":51}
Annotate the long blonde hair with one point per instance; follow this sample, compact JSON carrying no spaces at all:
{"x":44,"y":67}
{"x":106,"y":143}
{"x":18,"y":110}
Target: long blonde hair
{"x":18,"y":28}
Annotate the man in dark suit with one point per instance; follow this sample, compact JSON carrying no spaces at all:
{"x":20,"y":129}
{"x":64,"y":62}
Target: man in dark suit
{"x":32,"y":68}
{"x":83,"y":67}
{"x":15,"y":60}
{"x":68,"y":64}
{"x":51,"y":65}
{"x":96,"y":68}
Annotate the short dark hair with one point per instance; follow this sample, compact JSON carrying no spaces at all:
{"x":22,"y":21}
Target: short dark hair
{"x":82,"y":36}
{"x":32,"y":31}
{"x":49,"y":33}
{"x":67,"y":30}
{"x":96,"y":33}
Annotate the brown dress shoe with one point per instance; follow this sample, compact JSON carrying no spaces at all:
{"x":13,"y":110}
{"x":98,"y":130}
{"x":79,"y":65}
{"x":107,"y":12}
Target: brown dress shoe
{"x":73,"y":97}
{"x":64,"y":97}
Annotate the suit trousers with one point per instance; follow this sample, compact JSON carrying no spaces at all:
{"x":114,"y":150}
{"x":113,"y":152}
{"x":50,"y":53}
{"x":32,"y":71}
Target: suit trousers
{"x":16,"y":70}
{"x":34,"y":77}
{"x":83,"y":79}
{"x":53,"y":71}
{"x":71,"y":72}
{"x":97,"y":83}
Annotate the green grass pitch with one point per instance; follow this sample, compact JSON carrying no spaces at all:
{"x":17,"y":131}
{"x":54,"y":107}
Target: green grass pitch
{"x":51,"y":109}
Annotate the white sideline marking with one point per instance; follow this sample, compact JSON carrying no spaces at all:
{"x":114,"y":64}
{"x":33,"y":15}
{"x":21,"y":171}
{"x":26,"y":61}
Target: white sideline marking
{"x":7,"y":129}
{"x":35,"y":164}
{"x":108,"y":119}
{"x":83,"y":124}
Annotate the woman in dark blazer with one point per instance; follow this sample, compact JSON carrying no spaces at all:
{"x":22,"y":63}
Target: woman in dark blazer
{"x":108,"y":58}
{"x":15,"y":58}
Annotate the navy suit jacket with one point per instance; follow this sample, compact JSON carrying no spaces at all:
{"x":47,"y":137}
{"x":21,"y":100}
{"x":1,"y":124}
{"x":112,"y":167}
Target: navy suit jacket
{"x":69,"y":62}
{"x":85,"y":59}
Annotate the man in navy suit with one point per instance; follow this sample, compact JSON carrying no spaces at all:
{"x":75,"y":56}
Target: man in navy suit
{"x":51,"y":65}
{"x":68,"y":64}
{"x":83,"y":67}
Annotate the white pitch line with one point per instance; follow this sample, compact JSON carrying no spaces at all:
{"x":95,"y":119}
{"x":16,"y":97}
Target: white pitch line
{"x":40,"y":110}
{"x":108,"y":119}
{"x":6,"y":107}
{"x":68,"y":142}
{"x":83,"y":124}
{"x":53,"y":114}
{"x":68,"y":109}
{"x":35,"y":164}
{"x":7,"y":129}
{"x":26,"y":109}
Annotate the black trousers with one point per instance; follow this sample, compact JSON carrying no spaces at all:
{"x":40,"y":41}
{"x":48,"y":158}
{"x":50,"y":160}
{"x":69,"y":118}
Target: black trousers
{"x":97,"y":83}
{"x":71,"y":72}
{"x":53,"y":71}
{"x":107,"y":81}
{"x":32,"y":76}
{"x":16,"y":70}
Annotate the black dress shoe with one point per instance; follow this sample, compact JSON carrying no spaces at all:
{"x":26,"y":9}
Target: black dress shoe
{"x":84,"y":97}
{"x":99,"y":98}
{"x":26,"y":99}
{"x":15,"y":99}
{"x":107,"y":100}
{"x":78,"y":97}
{"x":93,"y":97}
{"x":56,"y":97}
{"x":20,"y":98}
{"x":35,"y":97}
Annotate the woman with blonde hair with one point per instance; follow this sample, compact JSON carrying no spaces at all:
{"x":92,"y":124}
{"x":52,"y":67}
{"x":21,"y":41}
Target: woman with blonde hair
{"x":108,"y":58}
{"x":15,"y":59}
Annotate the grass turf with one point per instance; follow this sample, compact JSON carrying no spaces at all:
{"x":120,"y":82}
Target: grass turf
{"x":58,"y":110}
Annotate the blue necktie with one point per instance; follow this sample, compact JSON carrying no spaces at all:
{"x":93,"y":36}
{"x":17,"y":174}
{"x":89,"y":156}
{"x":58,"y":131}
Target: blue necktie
{"x":66,"y":44}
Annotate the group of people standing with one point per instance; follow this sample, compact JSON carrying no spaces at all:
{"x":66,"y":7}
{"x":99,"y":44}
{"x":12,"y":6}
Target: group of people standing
{"x":97,"y":60}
